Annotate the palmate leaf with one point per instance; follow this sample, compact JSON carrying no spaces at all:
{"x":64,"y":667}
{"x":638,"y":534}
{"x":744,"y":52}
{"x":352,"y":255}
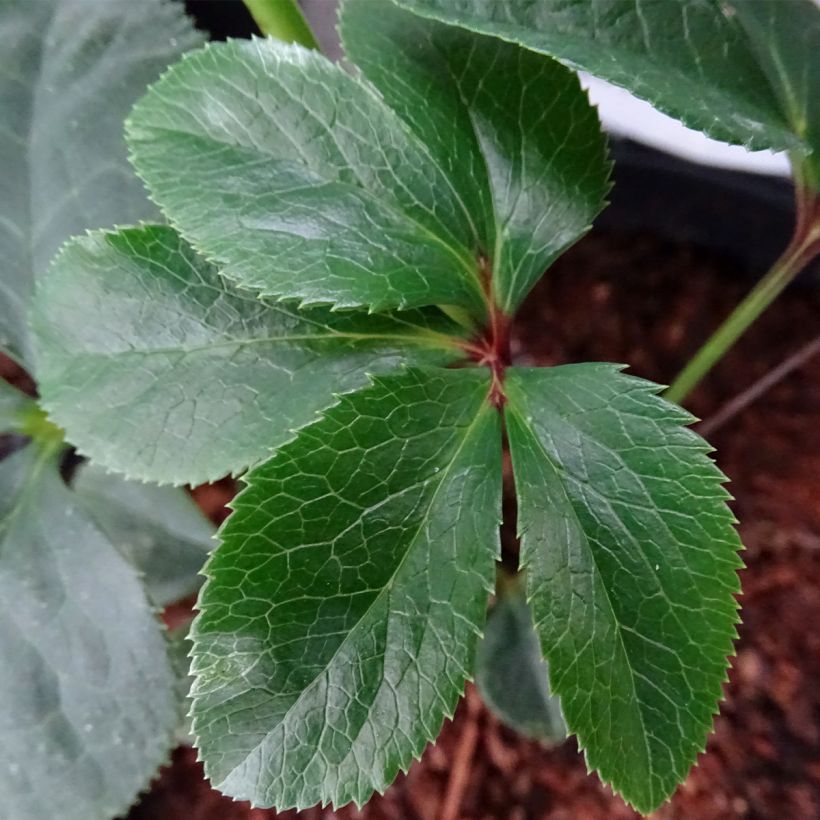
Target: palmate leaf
{"x":159,"y":530}
{"x":692,"y":59}
{"x":179,"y":377}
{"x":89,"y":709}
{"x":631,"y":559}
{"x":70,"y":70}
{"x":342,"y":610}
{"x":516,"y":136}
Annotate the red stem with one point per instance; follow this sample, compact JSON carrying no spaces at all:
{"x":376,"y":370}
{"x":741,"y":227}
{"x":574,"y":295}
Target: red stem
{"x":492,"y":348}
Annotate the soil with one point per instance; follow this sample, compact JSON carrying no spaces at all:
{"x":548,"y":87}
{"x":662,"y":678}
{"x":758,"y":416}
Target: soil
{"x":648,"y":303}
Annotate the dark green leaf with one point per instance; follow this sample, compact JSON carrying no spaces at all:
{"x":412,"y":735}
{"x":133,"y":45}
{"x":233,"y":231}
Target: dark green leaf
{"x":341,"y":614}
{"x":511,"y":129}
{"x":177,"y":376}
{"x":631,"y":559}
{"x":690,"y":58}
{"x":158,"y":529}
{"x":69,"y":72}
{"x":511,"y":674}
{"x":87,"y":692}
{"x":305,"y":184}
{"x":785,"y":36}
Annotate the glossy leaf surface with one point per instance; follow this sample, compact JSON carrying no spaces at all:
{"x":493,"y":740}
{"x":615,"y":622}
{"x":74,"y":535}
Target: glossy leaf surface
{"x":313,"y":190}
{"x":631,"y":559}
{"x":179,"y":377}
{"x":689,"y":58}
{"x":786,"y":39}
{"x":342,"y":610}
{"x":514,"y":133}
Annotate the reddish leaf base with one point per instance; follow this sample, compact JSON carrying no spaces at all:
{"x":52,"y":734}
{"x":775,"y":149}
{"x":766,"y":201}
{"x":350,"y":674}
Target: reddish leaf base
{"x":492,"y":346}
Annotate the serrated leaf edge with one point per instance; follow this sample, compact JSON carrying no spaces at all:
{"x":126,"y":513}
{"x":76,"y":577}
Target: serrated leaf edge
{"x":703,"y":453}
{"x":224,"y":269}
{"x":374,"y":380}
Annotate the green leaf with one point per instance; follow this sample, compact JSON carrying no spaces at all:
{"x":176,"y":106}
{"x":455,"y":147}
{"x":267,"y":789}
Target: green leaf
{"x":13,"y":405}
{"x":341,"y":614}
{"x":512,"y":130}
{"x":689,"y":58}
{"x":511,"y":674}
{"x":313,"y":190}
{"x":69,"y":72}
{"x":631,"y":559}
{"x":179,"y":377}
{"x":87,"y":692}
{"x":159,"y":530}
{"x":786,"y":39}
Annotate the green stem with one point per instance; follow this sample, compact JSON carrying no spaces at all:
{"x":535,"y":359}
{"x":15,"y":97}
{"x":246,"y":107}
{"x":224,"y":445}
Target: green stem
{"x":805,"y":245}
{"x":282,"y":19}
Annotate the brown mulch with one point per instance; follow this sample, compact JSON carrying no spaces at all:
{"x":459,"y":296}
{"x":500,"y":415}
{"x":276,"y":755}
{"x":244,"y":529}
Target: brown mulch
{"x":648,"y":303}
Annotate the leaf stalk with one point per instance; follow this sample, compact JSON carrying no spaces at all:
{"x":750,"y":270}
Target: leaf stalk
{"x":283,"y":20}
{"x":803,"y":247}
{"x":492,"y":349}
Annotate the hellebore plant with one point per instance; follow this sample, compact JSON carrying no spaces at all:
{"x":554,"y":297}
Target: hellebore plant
{"x":327,"y":313}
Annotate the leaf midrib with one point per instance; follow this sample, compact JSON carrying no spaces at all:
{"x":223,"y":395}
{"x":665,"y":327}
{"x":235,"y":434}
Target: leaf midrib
{"x":498,"y":237}
{"x":385,"y":589}
{"x":422,"y":147}
{"x":460,"y":254}
{"x":619,"y":626}
{"x":422,"y":340}
{"x":795,"y":112}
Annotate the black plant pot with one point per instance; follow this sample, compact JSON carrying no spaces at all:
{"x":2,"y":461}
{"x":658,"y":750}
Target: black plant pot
{"x":745,"y":216}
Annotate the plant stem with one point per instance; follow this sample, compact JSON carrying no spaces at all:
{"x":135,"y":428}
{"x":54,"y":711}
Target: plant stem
{"x":804,"y":246}
{"x":282,"y":19}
